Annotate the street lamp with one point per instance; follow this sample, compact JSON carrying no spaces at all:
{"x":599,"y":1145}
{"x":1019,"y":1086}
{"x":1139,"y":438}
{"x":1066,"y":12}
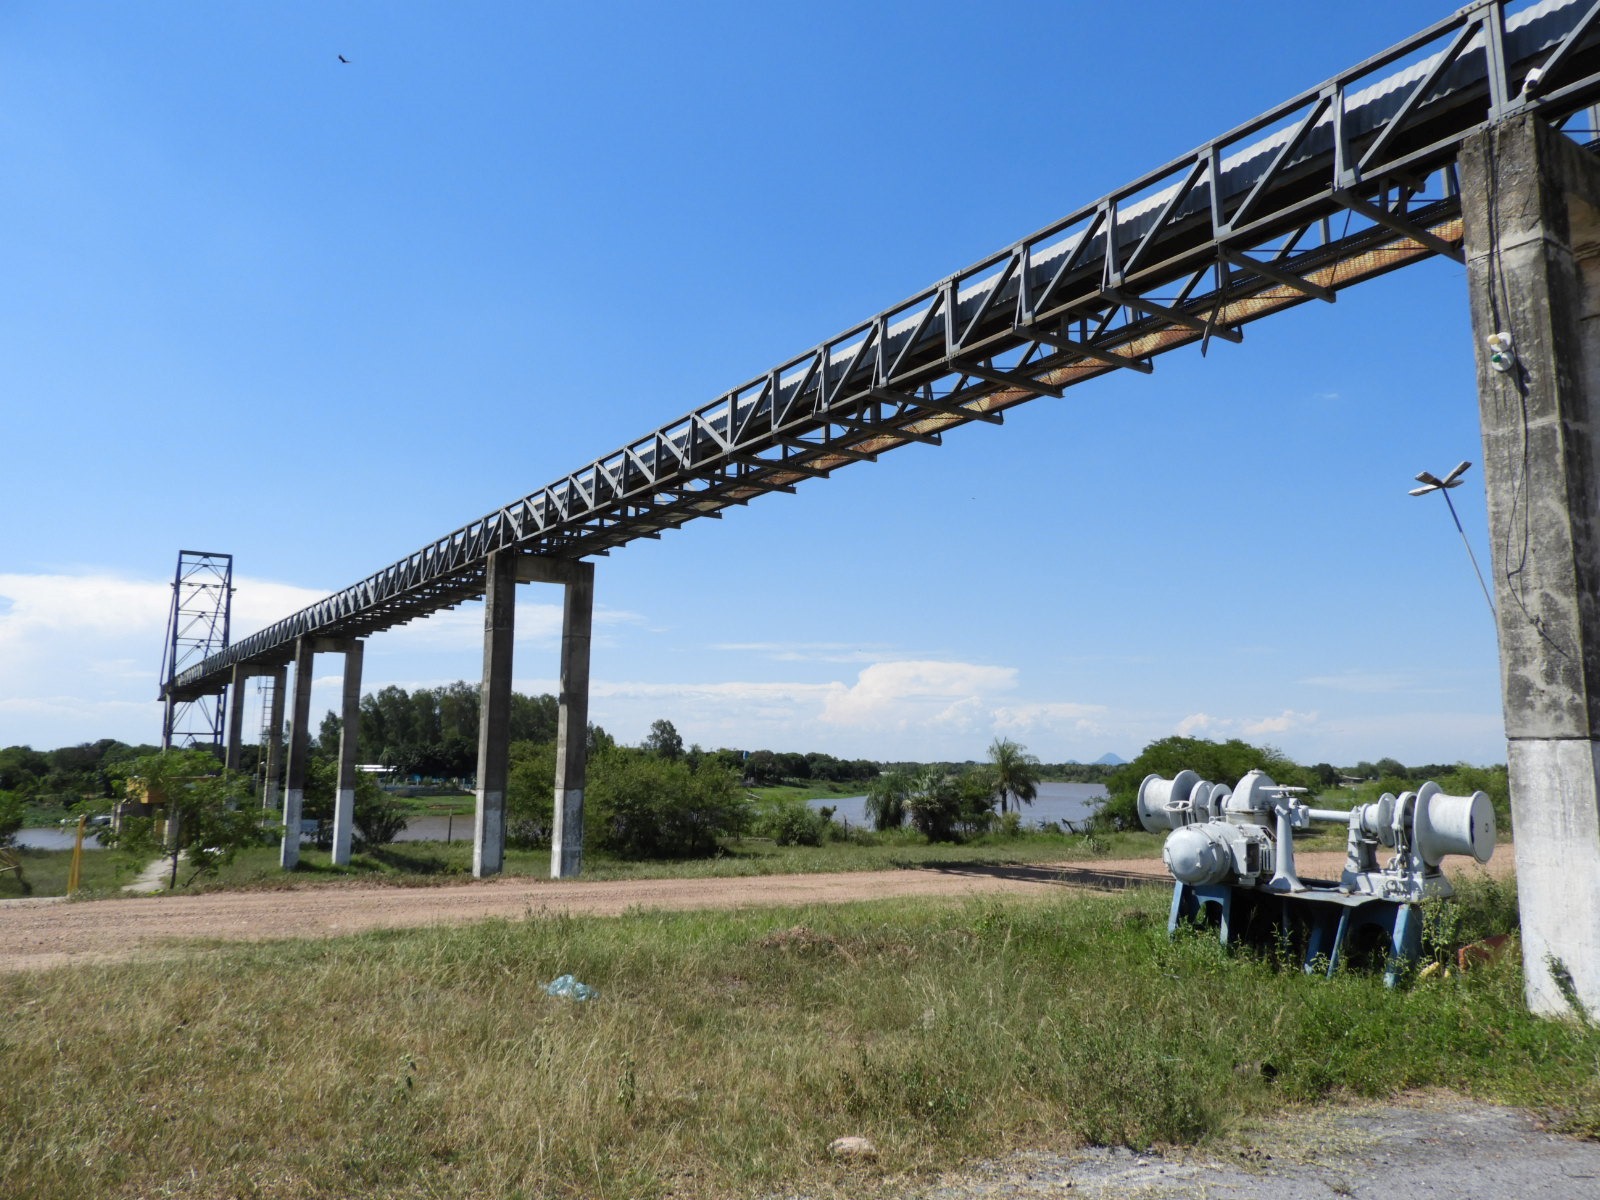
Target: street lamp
{"x":1432,"y":483}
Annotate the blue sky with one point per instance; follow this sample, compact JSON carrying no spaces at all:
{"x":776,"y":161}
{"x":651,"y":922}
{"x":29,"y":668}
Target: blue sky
{"x":316,"y":314}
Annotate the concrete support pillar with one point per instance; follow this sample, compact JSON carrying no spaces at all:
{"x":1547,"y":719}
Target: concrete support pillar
{"x":1531,"y":202}
{"x":231,"y":754}
{"x":269,"y":796}
{"x":494,"y":713}
{"x":572,"y":735}
{"x":344,"y":805}
{"x":299,"y":750}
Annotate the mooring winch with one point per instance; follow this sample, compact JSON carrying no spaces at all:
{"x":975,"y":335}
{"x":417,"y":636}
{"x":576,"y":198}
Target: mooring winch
{"x":1234,"y":847}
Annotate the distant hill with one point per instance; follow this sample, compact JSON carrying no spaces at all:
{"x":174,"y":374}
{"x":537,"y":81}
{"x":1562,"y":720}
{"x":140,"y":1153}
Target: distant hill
{"x":1110,"y":760}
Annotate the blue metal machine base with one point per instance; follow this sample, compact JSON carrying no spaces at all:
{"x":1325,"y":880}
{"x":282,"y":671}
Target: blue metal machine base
{"x":1317,"y":923}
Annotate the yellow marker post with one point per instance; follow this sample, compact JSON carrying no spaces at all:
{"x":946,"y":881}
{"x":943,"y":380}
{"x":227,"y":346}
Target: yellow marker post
{"x":76,"y":868}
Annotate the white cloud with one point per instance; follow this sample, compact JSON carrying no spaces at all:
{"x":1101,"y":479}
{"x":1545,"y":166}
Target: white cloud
{"x":1366,"y":682}
{"x":1205,"y":725}
{"x":1282,"y":723}
{"x":915,"y":708}
{"x":1060,"y":719}
{"x":829,"y":652}
{"x":894,"y":694}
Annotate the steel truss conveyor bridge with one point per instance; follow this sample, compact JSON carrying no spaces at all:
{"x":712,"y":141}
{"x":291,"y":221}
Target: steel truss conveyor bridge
{"x":1344,"y":182}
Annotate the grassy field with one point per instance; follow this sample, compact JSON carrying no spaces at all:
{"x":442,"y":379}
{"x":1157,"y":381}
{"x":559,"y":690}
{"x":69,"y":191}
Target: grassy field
{"x":44,"y":873}
{"x":723,"y":1054}
{"x":436,"y":806}
{"x":427,"y":863}
{"x":810,"y":790}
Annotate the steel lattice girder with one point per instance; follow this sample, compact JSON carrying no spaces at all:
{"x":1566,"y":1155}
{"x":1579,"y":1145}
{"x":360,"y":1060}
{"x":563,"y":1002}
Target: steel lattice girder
{"x":1240,"y":228}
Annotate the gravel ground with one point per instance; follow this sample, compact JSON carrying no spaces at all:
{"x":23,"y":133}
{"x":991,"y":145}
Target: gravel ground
{"x":1437,"y":1147}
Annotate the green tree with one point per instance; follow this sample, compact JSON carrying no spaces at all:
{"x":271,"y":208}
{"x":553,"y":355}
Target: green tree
{"x":1015,"y":773}
{"x":22,"y":768}
{"x":376,"y":821}
{"x":208,"y":813}
{"x":663,"y":740}
{"x":534,"y":718}
{"x":886,"y":800}
{"x":761,"y":769}
{"x":530,"y":794}
{"x":11,"y":810}
{"x":934,"y":804}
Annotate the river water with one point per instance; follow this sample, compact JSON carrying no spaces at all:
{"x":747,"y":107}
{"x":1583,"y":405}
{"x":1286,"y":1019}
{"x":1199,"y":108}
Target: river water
{"x":55,"y":839}
{"x":1056,"y":802}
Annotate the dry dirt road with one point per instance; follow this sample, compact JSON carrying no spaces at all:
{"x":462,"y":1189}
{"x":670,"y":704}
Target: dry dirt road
{"x":48,"y":933}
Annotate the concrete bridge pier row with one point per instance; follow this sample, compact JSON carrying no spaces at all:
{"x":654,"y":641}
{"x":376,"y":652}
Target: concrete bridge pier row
{"x":299,"y":748}
{"x":494,"y":713}
{"x":504,"y":570}
{"x":1531,"y":212}
{"x":235,"y":743}
{"x":572,"y":731}
{"x":270,"y":799}
{"x":344,"y":805}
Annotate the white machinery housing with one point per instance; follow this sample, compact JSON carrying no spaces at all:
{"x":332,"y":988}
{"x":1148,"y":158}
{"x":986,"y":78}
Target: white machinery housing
{"x":1244,"y":836}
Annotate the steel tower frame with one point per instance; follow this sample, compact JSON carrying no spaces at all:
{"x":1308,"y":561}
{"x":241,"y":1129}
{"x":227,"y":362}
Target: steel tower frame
{"x":197,"y":628}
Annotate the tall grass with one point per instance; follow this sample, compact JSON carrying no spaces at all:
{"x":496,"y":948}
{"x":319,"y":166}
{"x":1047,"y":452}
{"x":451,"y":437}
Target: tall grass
{"x":44,"y":873}
{"x":426,"y":863}
{"x":723,"y":1054}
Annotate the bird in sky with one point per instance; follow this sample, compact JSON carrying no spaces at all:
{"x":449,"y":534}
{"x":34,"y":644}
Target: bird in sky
{"x":344,"y":60}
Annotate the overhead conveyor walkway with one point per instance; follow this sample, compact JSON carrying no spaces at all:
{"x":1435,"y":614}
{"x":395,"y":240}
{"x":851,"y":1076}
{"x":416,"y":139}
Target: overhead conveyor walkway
{"x":1459,"y":142}
{"x":1346,"y":181}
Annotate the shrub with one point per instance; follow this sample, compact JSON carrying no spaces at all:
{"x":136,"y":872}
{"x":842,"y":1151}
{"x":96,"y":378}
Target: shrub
{"x":10,"y":817}
{"x":795,"y":823}
{"x":945,"y":808}
{"x":530,"y":795}
{"x":378,"y":819}
{"x":640,"y":806}
{"x":886,"y":800}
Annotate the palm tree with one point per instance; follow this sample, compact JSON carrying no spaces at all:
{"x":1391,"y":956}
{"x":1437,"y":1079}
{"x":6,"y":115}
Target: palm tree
{"x":886,"y":800}
{"x":1016,"y":773}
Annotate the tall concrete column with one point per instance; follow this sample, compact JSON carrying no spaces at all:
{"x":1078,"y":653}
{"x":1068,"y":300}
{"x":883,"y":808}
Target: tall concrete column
{"x":231,"y":754}
{"x":344,"y":805}
{"x":572,"y":731}
{"x":299,"y":750}
{"x":269,"y":797}
{"x":494,"y":713}
{"x":1531,"y":203}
